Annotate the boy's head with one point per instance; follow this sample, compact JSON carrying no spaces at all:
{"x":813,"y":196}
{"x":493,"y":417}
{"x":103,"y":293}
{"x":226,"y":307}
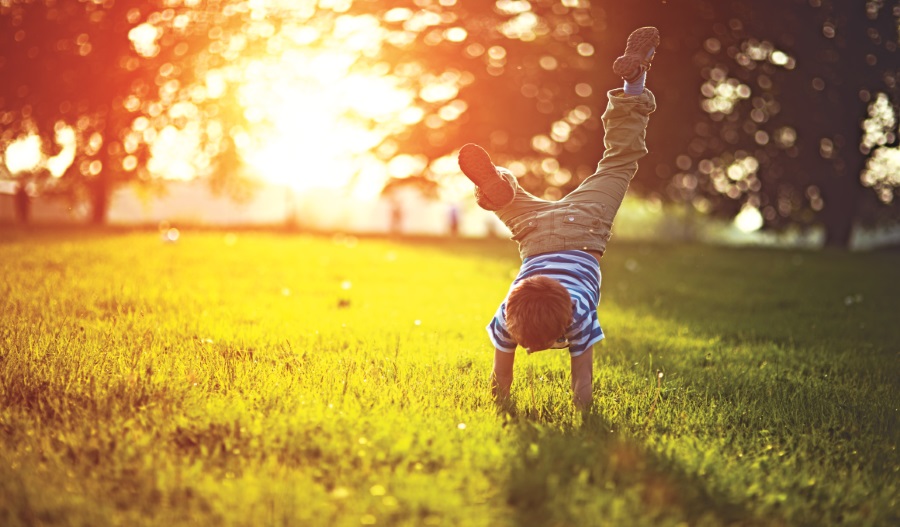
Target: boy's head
{"x":538,"y":311}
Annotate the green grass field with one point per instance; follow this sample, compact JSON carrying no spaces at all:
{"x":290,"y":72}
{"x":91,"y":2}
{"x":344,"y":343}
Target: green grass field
{"x":267,"y":379}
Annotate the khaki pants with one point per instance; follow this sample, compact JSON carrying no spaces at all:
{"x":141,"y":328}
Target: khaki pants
{"x":582,"y":220}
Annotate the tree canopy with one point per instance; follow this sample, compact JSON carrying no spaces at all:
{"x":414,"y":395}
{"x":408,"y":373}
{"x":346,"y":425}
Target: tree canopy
{"x":787,"y":108}
{"x":101,"y":82}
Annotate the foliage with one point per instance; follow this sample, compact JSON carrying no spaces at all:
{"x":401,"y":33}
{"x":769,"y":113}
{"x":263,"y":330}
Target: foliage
{"x":105,"y":80}
{"x":246,"y":379}
{"x":761,"y":104}
{"x":786,"y":97}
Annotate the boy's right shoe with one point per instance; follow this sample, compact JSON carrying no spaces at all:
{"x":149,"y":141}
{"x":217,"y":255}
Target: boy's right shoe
{"x":493,"y":191}
{"x":639,"y":51}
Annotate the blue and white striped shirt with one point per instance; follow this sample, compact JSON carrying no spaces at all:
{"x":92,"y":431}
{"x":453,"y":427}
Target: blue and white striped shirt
{"x":579,"y":273}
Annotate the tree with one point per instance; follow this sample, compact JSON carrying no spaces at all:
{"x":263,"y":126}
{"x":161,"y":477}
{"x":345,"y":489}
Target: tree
{"x":786,"y":87}
{"x":112,"y":75}
{"x":533,"y":81}
{"x":761,"y":103}
{"x":121,"y":76}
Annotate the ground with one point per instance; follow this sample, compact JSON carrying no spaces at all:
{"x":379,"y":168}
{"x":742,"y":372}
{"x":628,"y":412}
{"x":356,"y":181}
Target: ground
{"x":262,"y":378}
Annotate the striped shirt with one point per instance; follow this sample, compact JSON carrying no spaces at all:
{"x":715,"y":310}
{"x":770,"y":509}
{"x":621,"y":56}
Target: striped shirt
{"x":579,"y":273}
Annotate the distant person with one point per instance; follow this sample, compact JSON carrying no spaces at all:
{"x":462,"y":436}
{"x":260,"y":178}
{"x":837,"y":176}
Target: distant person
{"x":490,"y":229}
{"x":454,"y":220}
{"x":396,"y":217}
{"x":552,"y":303}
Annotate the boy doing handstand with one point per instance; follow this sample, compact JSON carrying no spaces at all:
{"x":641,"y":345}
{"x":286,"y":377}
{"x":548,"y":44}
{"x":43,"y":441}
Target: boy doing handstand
{"x":552,"y":303}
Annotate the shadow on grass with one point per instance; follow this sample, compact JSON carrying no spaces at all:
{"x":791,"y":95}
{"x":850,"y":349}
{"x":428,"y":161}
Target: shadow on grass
{"x":588,"y":474}
{"x":791,"y":344}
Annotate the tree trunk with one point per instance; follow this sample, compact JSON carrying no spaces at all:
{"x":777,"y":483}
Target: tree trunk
{"x":22,"y":204}
{"x":841,"y":62}
{"x":100,"y":199}
{"x":842,"y":201}
{"x":101,"y":186}
{"x":842,"y":190}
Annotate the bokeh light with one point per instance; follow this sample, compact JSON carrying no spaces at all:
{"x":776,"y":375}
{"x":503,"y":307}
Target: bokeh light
{"x":749,"y":219}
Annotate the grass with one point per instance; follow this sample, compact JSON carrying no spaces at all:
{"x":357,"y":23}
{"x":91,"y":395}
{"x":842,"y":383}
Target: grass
{"x":266,"y":379}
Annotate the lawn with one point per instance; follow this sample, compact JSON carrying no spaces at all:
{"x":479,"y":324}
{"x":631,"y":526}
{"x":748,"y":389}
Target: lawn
{"x":280,"y":379}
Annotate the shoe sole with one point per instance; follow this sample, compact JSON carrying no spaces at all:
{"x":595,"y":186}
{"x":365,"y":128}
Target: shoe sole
{"x":640,"y":41}
{"x":477,"y":166}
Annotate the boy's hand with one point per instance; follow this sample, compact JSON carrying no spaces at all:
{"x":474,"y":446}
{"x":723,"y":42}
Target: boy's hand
{"x":502,"y":376}
{"x":583,"y":380}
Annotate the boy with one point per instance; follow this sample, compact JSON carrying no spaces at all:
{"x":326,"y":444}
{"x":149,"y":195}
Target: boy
{"x":552,"y":303}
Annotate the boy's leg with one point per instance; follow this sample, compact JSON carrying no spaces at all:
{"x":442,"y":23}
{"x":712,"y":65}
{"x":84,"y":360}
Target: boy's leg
{"x":493,"y":190}
{"x":625,"y":125}
{"x":496,"y":188}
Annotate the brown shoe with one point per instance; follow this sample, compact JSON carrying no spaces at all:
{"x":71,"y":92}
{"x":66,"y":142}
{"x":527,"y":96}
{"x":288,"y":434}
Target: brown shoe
{"x":493,"y":191}
{"x":639,"y":52}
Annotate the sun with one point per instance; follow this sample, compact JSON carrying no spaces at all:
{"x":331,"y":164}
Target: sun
{"x":317,"y":118}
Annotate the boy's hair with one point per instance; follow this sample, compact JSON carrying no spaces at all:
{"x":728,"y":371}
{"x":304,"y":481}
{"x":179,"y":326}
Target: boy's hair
{"x":538,"y":311}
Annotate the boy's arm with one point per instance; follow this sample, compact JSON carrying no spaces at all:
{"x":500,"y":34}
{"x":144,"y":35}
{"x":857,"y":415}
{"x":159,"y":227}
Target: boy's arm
{"x":502,"y":376}
{"x":583,"y":379}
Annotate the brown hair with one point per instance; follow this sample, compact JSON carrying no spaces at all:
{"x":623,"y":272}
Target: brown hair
{"x":538,"y":311}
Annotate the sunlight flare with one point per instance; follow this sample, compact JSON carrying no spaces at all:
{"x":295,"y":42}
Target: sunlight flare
{"x":749,"y":219}
{"x":318,"y":117}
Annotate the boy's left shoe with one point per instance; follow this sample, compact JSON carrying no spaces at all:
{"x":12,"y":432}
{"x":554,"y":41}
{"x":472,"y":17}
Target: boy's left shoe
{"x":493,"y":191}
{"x":639,"y":52}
